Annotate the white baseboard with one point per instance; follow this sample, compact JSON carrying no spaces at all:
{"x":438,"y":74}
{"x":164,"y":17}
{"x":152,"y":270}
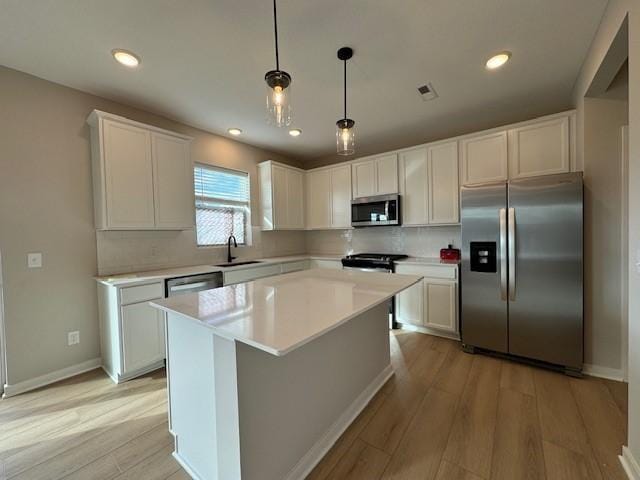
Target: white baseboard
{"x":11,"y":390}
{"x":322,"y":446}
{"x":603,"y":372}
{"x":430,"y":331}
{"x":630,"y":464}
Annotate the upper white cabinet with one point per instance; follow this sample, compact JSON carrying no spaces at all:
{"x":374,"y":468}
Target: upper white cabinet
{"x":281,"y":196}
{"x":484,"y":158}
{"x":429,"y":184}
{"x":375,"y":176}
{"x":329,"y":198}
{"x":541,"y":148}
{"x":142,"y":175}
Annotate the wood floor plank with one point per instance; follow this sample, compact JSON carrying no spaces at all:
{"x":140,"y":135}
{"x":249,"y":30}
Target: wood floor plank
{"x":104,"y":468}
{"x":443,"y":345}
{"x":426,"y":367}
{"x":449,"y":471}
{"x":329,"y":461}
{"x":453,"y":375}
{"x":470,"y":444}
{"x":560,"y":419}
{"x":518,"y":451}
{"x":605,"y":425}
{"x":565,"y":464}
{"x":158,"y":466}
{"x":179,"y":475}
{"x":142,"y":446}
{"x":420,"y":452}
{"x":518,"y":377}
{"x":620,"y":393}
{"x":361,"y":461}
{"x":387,"y":426}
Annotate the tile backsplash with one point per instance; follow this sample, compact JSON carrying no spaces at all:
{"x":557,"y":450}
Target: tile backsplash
{"x":414,"y":241}
{"x":138,"y":251}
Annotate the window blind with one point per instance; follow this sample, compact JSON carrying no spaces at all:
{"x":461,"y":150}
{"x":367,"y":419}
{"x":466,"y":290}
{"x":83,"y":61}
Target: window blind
{"x":222,"y":204}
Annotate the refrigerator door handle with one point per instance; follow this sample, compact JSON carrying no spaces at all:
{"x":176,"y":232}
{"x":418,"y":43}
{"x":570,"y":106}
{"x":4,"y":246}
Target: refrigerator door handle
{"x":512,"y":254}
{"x":503,"y":254}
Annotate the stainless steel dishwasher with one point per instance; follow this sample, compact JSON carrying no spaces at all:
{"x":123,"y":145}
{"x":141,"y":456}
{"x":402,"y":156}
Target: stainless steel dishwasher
{"x":192,"y":283}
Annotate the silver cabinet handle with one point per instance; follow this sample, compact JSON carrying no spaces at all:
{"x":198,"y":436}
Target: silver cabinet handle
{"x":503,"y":254}
{"x":512,"y":254}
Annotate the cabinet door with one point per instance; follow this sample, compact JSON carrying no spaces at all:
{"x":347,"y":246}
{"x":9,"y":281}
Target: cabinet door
{"x":539,"y":149}
{"x":341,"y":197}
{"x":279,"y":185}
{"x":444,"y":189}
{"x":409,"y":304}
{"x":387,"y":174}
{"x":173,"y":182}
{"x":319,"y":199}
{"x":142,"y":336}
{"x":484,"y":159}
{"x":128,"y":176}
{"x":364,"y":179}
{"x":415,"y":193}
{"x":440,"y":305}
{"x":295,"y":199}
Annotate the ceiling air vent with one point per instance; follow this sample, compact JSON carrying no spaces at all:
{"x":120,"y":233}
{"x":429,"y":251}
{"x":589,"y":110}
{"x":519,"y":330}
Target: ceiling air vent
{"x":427,"y":92}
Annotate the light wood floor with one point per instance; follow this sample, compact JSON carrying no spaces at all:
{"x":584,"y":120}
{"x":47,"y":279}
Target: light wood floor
{"x":445,"y":415}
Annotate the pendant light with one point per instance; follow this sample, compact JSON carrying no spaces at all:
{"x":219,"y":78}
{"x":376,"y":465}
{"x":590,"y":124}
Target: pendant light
{"x":345,"y":127}
{"x":278,"y":88}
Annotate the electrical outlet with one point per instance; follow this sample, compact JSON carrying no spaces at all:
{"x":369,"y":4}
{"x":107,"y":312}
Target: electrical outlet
{"x":34,"y":260}
{"x":73,"y":338}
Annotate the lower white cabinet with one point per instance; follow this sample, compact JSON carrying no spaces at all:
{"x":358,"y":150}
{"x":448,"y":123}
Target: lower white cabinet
{"x":132,"y":334}
{"x":432,"y":304}
{"x":232,"y":277}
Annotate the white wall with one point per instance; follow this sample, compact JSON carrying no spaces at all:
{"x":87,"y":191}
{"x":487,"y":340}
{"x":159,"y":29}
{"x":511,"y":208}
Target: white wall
{"x":46,"y":205}
{"x":611,"y":21}
{"x":414,"y":241}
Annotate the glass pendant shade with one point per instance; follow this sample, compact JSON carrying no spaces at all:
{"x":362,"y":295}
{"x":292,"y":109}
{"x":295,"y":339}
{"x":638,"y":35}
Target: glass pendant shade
{"x":278,"y":98}
{"x":346,"y":136}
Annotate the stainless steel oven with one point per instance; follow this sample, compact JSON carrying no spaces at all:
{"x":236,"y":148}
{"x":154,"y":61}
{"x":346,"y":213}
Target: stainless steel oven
{"x":375,"y":211}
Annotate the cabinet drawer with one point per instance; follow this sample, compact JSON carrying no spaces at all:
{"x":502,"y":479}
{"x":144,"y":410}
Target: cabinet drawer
{"x":141,"y":293}
{"x":295,"y":266}
{"x":248,"y":274}
{"x":333,"y":264}
{"x":446,"y":272}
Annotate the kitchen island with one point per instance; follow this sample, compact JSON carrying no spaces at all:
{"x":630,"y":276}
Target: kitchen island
{"x":264,"y":376}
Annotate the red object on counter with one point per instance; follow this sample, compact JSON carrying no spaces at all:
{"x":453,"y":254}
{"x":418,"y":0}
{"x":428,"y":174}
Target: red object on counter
{"x":450,"y":253}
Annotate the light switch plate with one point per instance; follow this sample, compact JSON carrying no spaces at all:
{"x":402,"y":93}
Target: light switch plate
{"x":34,"y":260}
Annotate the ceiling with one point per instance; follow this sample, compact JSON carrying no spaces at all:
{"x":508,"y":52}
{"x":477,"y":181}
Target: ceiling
{"x":203,"y":62}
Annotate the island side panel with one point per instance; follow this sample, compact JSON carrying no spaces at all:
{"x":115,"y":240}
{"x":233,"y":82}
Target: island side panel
{"x":293,"y":407}
{"x":201,"y":382}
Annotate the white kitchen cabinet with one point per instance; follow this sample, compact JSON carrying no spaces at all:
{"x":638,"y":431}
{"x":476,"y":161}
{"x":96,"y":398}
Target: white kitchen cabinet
{"x":281,"y":196}
{"x":142,"y":175}
{"x":430,"y":306}
{"x":375,"y":176}
{"x":329,"y":198}
{"x":429,"y":185}
{"x":231,"y":277}
{"x":444,"y":186}
{"x":541,"y":148}
{"x":173,"y":182}
{"x":132,"y":334}
{"x":143,"y":336}
{"x":324,"y":263}
{"x":484,"y":158}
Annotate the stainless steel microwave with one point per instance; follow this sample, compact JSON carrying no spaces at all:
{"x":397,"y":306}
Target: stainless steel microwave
{"x":375,"y":211}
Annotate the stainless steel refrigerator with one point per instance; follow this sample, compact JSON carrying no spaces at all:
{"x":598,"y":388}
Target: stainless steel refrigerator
{"x":521,"y":280}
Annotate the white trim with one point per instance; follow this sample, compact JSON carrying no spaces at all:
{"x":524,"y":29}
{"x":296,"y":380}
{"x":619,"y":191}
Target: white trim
{"x":96,"y":115}
{"x":603,"y":372}
{"x":3,"y":345}
{"x":630,"y":464}
{"x":184,"y":464}
{"x":624,"y":248}
{"x":331,"y":436}
{"x":430,"y":331}
{"x":42,"y":380}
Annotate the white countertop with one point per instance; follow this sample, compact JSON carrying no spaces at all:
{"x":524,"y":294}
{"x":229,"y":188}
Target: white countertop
{"x":128,"y":279}
{"x":279,"y":314}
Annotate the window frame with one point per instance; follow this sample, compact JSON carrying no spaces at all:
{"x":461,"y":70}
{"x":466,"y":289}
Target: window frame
{"x":247,"y":227}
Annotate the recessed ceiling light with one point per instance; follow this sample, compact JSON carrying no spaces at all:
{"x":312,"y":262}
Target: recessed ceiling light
{"x":234,"y":131}
{"x":295,"y":132}
{"x":498,"y":60}
{"x":126,"y":58}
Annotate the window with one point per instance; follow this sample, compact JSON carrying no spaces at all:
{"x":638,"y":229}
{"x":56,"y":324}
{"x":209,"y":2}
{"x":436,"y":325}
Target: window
{"x":222,"y":205}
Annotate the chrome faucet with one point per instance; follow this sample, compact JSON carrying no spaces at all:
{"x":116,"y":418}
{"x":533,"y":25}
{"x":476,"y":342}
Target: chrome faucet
{"x":235,"y":244}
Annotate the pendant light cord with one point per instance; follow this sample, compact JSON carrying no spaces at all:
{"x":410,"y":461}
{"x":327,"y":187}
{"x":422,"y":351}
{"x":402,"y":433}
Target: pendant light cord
{"x":275,"y":28}
{"x":345,"y":89}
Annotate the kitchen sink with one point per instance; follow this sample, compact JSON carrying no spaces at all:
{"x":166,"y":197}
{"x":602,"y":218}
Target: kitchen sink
{"x":235,"y":264}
